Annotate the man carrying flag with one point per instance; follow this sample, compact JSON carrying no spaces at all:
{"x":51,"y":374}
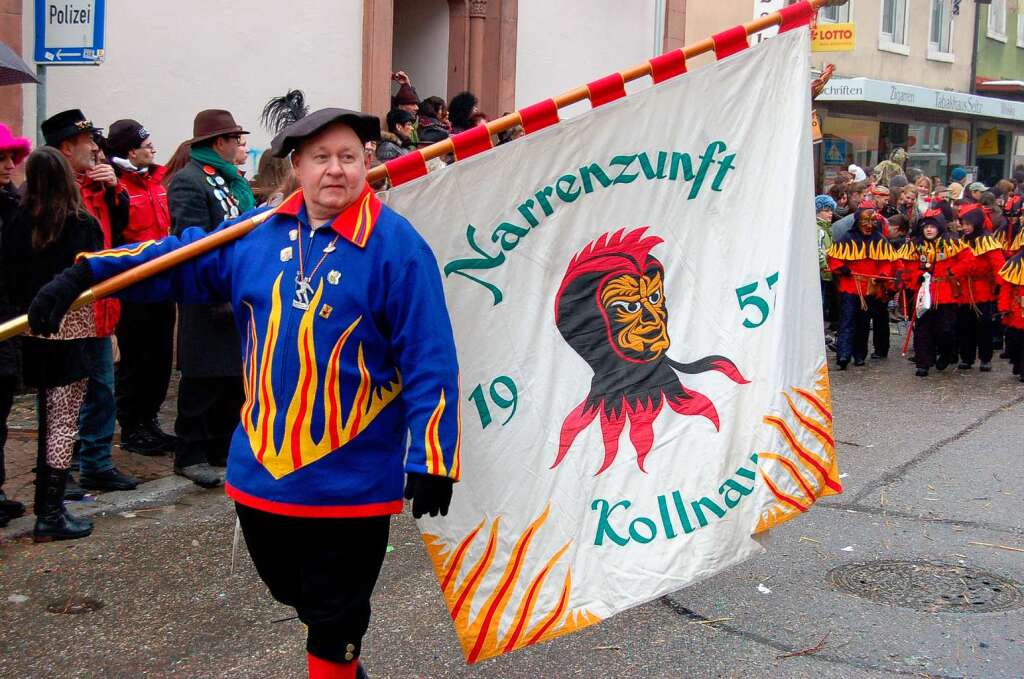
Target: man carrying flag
{"x":347,"y":348}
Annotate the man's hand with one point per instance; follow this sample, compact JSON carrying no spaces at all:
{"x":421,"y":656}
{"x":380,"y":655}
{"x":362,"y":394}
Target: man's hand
{"x":844,"y":270}
{"x":429,"y":494}
{"x":402,"y":79}
{"x":52,"y":302}
{"x":102,"y":174}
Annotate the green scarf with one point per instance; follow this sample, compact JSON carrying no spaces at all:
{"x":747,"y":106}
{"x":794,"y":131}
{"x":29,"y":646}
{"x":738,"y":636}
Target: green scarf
{"x":237,"y":184}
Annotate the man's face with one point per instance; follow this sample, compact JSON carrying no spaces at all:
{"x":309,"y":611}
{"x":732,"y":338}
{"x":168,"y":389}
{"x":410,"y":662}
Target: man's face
{"x":907,"y":198}
{"x":331,"y":170}
{"x":144,"y":156}
{"x":867,"y":222}
{"x":881,"y":200}
{"x":80,"y":151}
{"x":976,"y":195}
{"x":227,"y":147}
{"x":242,"y":152}
{"x":6,"y":167}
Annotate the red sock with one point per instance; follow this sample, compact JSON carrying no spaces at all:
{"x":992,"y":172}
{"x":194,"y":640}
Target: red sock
{"x":325,"y":669}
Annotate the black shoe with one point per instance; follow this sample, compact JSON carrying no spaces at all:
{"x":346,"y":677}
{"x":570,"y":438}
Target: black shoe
{"x":72,"y":491}
{"x":879,"y":357}
{"x":53,"y":521}
{"x":141,"y":441}
{"x":985,"y":367}
{"x":842,"y":363}
{"x":940,"y":365}
{"x":201,"y":474}
{"x":964,"y":365}
{"x":169,"y":441}
{"x":922,"y":372}
{"x":110,"y":479}
{"x":9,"y":509}
{"x":859,"y":362}
{"x":1004,"y":354}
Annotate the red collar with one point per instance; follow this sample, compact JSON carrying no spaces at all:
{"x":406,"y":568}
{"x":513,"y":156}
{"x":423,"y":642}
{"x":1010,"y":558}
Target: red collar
{"x":354,"y":224}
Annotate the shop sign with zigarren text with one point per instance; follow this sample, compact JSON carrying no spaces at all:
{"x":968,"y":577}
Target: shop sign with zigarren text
{"x":642,"y":364}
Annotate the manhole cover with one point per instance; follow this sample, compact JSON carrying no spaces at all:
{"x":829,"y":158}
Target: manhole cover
{"x":75,"y":605}
{"x":928,"y":586}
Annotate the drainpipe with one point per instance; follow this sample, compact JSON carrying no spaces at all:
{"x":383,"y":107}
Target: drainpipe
{"x":972,"y":86}
{"x":659,"y":27}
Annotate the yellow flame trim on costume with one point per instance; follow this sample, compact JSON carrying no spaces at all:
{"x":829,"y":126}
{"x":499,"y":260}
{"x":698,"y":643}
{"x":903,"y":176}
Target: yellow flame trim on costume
{"x":879,"y":250}
{"x":932,"y":249}
{"x":984,"y":244}
{"x":298,"y":446}
{"x":116,"y":252}
{"x":1013,"y":272}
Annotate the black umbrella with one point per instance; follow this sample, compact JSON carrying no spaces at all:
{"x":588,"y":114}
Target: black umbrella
{"x":14,"y":71}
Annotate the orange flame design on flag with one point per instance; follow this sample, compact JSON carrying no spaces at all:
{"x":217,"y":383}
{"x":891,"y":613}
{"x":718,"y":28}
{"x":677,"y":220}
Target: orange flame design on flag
{"x":260,"y":410}
{"x":479,"y":633}
{"x":798,"y":475}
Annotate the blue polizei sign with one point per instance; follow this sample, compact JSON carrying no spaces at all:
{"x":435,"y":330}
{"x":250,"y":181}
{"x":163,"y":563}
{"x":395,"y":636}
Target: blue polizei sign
{"x":69,"y":31}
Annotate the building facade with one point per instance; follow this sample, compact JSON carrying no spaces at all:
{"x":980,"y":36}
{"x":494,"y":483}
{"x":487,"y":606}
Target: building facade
{"x":166,"y":61}
{"x":999,"y":72}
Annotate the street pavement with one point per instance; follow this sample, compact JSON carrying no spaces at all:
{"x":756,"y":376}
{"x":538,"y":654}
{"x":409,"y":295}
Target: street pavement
{"x":931,"y":469}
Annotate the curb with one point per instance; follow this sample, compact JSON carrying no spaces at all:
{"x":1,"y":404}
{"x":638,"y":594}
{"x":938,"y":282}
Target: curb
{"x":160,"y":492}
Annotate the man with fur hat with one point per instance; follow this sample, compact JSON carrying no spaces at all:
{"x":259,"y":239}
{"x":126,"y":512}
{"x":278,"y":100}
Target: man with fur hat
{"x":348,"y":352}
{"x":207,"y":191}
{"x":145,"y":334}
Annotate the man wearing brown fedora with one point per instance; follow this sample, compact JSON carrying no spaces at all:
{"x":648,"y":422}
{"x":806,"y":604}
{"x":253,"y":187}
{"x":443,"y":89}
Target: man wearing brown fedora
{"x":208,"y":190}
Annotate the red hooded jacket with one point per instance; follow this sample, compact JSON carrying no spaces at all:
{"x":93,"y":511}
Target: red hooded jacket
{"x":988,"y":260}
{"x":149,"y":217}
{"x":1011,"y":292}
{"x":99,"y":205}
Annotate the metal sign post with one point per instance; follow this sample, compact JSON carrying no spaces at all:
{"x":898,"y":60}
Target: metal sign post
{"x":68,"y":33}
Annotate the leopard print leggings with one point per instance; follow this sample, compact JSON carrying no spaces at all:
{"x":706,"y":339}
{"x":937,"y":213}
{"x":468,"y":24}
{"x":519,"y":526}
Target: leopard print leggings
{"x":62,"y":406}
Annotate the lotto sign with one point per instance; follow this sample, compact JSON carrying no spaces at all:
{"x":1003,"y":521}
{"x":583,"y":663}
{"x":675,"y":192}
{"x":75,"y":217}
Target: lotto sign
{"x":642,"y":365}
{"x":826,"y":37}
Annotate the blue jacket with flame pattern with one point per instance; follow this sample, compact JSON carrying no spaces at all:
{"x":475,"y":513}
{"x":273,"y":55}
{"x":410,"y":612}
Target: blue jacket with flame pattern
{"x":332,"y":391}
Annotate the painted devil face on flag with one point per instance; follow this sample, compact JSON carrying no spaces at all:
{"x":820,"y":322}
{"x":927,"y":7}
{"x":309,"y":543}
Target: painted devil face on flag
{"x":611,"y":310}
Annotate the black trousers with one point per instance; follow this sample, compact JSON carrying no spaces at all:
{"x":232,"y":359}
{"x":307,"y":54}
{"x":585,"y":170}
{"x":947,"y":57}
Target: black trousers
{"x":878,"y":314}
{"x":935,"y":337}
{"x":855,"y":324}
{"x":7,"y":386}
{"x":1015,"y":348}
{"x":325,"y":569}
{"x":208,"y":412}
{"x":145,"y":338}
{"x":974,"y":332}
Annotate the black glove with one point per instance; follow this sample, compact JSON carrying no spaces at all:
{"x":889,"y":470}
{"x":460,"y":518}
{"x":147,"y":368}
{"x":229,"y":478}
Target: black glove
{"x":55,"y":298}
{"x":429,"y":494}
{"x":843,"y":270}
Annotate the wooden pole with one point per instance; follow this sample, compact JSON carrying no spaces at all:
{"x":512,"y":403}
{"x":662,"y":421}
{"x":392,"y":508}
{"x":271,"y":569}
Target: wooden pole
{"x":19,"y":325}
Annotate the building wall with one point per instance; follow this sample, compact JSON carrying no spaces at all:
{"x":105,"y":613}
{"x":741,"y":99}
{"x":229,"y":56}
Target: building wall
{"x":867,"y":60}
{"x":166,"y":61}
{"x":998,"y":60}
{"x":421,"y":44}
{"x":568,"y":43}
{"x":11,"y":95}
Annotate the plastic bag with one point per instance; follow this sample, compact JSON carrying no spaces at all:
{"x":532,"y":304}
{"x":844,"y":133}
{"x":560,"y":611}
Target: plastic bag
{"x":924,"y":296}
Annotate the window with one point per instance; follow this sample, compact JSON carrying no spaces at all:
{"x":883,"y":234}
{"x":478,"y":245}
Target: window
{"x":940,"y":32}
{"x":835,"y":15}
{"x":894,"y":26}
{"x":1020,"y":28}
{"x":997,"y":20}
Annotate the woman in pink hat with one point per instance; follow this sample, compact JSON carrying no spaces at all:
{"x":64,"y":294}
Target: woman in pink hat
{"x":13,"y":150}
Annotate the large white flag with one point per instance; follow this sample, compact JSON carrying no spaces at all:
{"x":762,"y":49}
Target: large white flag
{"x":636,"y":305}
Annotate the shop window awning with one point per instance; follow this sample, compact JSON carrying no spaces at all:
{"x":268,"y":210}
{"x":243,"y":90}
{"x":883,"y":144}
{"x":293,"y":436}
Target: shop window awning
{"x":1010,"y":86}
{"x":912,"y":96}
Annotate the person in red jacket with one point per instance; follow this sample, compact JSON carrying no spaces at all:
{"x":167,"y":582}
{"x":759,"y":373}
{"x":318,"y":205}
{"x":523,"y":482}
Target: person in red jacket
{"x":862,"y":261}
{"x":942,"y":261}
{"x":1011,"y":305}
{"x":976,"y":319}
{"x":145,"y":335}
{"x":71,"y":133}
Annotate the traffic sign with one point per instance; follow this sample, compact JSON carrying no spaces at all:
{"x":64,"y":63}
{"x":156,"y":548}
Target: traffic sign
{"x":69,"y":32}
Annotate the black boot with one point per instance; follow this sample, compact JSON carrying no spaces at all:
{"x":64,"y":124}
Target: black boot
{"x":9,"y":509}
{"x":72,"y":491}
{"x":53,"y":521}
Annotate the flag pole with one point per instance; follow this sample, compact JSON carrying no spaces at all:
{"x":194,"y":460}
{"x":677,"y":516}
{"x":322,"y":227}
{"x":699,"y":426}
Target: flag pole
{"x":19,"y":325}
